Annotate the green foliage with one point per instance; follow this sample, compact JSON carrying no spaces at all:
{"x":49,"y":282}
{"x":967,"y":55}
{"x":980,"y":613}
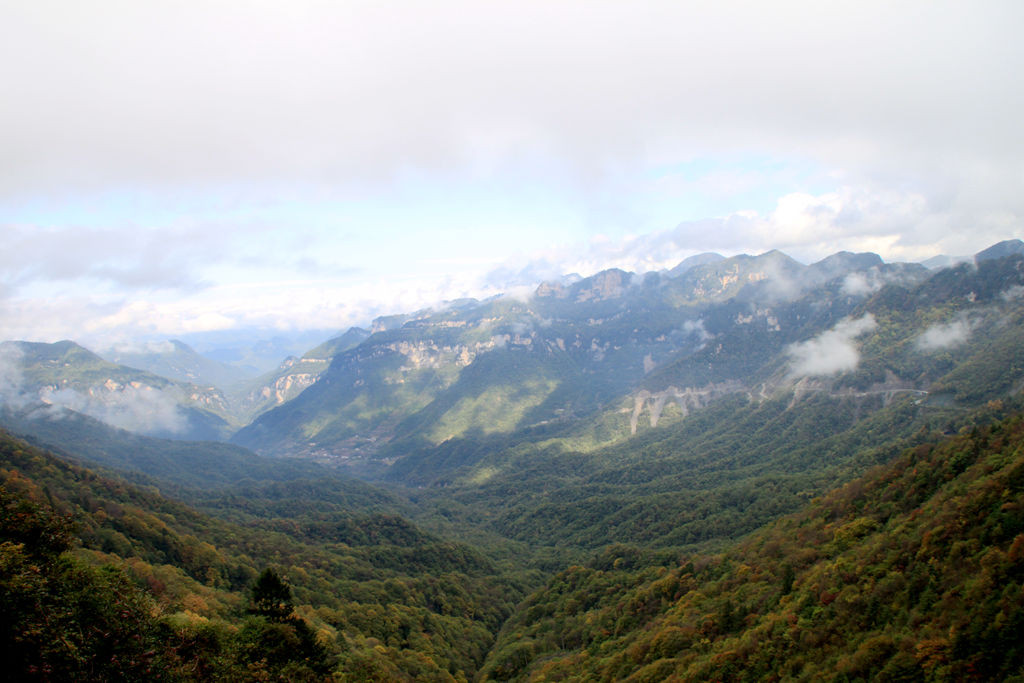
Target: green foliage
{"x":434,"y":605}
{"x":721,"y":473}
{"x":271,"y":596}
{"x":913,"y":572}
{"x":59,"y":618}
{"x":285,"y":648}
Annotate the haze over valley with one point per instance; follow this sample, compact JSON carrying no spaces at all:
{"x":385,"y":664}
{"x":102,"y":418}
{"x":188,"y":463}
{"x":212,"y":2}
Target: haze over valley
{"x":527,"y":342}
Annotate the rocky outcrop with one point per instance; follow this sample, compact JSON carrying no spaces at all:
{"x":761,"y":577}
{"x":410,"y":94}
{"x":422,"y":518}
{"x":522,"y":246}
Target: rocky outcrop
{"x":687,"y":399}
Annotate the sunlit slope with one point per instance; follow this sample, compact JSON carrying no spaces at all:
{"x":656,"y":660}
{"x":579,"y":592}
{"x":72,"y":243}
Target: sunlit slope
{"x":696,"y":466}
{"x":293,"y":376}
{"x":568,"y":350}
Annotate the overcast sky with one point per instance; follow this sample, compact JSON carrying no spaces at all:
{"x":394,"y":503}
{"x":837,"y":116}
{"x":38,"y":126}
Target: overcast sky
{"x":171,"y":167}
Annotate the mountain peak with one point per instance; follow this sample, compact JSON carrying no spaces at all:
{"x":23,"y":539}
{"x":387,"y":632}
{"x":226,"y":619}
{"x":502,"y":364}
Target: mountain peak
{"x":41,"y":351}
{"x":841,"y":263}
{"x":847,"y":259}
{"x":694,"y":261}
{"x":1000,"y":250}
{"x":607,"y":284}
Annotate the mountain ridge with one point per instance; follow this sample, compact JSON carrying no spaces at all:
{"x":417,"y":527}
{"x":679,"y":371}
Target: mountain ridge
{"x":669,"y":315}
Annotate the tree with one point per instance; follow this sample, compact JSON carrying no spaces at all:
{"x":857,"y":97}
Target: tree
{"x":271,"y":596}
{"x":281,"y":640}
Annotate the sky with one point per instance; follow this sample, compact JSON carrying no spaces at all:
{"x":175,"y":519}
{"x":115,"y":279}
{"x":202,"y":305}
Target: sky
{"x":172,"y":167}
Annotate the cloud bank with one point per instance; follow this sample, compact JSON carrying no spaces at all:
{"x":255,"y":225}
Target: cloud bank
{"x":350,"y":92}
{"x":175,"y":167}
{"x":137,"y":408}
{"x":142,"y":409}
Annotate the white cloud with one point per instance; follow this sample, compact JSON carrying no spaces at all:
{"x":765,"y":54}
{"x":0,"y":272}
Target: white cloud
{"x":860,"y":284}
{"x":136,"y":408}
{"x":870,"y":281}
{"x":897,"y":225}
{"x":944,"y":335}
{"x":807,"y":227}
{"x":355,"y":90}
{"x":252,"y":94}
{"x":11,"y":376}
{"x":154,"y":151}
{"x":1014,"y":292}
{"x":142,"y":409}
{"x":832,"y":351}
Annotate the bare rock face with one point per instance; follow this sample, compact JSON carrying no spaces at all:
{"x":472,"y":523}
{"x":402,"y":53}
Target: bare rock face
{"x":687,"y":399}
{"x":551,"y":289}
{"x":607,"y":284}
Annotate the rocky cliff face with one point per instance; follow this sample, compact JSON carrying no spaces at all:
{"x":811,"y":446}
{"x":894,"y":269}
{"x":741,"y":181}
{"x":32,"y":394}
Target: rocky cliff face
{"x":294,"y":375}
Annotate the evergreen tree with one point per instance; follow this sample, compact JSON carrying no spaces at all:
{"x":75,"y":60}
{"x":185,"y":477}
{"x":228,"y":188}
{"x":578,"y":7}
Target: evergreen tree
{"x":271,"y":596}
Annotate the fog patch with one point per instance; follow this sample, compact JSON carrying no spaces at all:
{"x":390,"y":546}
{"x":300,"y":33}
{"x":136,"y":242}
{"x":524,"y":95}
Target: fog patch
{"x":521,"y":328}
{"x":521,"y":293}
{"x":868,"y":282}
{"x":11,"y":377}
{"x":861,"y":284}
{"x":691,"y":326}
{"x":1013,"y":293}
{"x":695,"y":328}
{"x":779,"y":285}
{"x":136,"y":408}
{"x":832,"y":351}
{"x":142,"y":347}
{"x":945,"y":335}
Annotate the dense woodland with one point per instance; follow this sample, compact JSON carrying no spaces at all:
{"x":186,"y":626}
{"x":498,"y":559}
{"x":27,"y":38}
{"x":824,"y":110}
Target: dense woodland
{"x":914,"y":571}
{"x":104,"y":580}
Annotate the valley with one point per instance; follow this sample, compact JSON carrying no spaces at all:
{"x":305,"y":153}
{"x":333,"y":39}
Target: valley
{"x":707,"y":472}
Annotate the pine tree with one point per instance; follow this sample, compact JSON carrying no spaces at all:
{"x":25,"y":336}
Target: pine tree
{"x":271,"y":596}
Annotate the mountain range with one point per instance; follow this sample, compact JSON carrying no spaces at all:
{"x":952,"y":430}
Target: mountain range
{"x":658,"y":473}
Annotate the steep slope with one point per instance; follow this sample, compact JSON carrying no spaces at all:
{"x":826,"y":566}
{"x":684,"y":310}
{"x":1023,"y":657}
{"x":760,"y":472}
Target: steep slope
{"x":494,"y":367}
{"x":914,"y":572}
{"x":67,"y":377}
{"x":294,"y":375}
{"x":699,"y":464}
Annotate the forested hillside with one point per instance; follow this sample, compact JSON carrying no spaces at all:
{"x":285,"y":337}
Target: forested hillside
{"x":912,"y":572}
{"x":103,"y":580}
